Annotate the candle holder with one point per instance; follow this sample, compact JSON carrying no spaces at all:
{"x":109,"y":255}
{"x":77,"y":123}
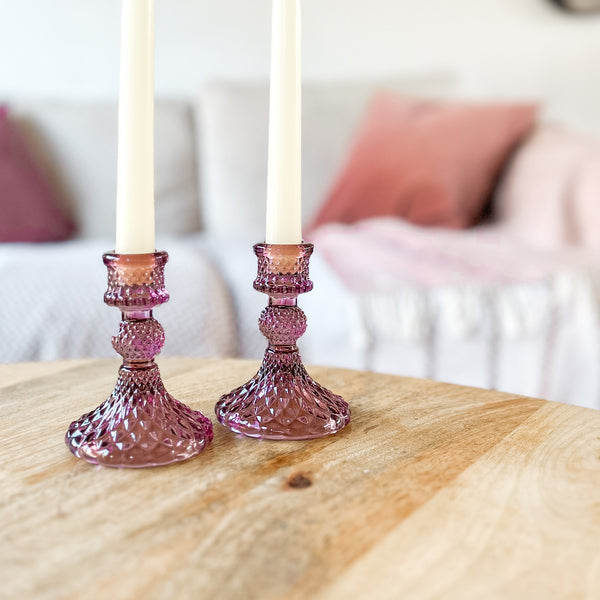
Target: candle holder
{"x":282,"y":402}
{"x":140,"y":424}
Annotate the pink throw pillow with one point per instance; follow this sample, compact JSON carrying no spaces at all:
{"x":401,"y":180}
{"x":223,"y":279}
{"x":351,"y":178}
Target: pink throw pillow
{"x":549,"y":195}
{"x":541,"y":188}
{"x":29,"y":211}
{"x":585,"y":199}
{"x":431,"y":163}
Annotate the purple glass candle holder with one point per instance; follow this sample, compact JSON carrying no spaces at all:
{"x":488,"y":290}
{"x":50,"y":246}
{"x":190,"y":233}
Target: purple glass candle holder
{"x":282,"y":402}
{"x":140,"y":424}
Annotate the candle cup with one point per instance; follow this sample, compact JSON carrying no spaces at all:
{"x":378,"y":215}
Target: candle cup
{"x":140,"y":424}
{"x":282,"y":402}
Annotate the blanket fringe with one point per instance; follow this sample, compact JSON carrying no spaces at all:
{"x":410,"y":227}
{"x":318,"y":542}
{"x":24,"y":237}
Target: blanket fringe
{"x":518,"y":309}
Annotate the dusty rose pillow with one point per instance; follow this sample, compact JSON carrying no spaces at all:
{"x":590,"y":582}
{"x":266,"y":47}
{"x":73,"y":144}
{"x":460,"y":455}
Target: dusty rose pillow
{"x":430,"y":163}
{"x":29,"y":211}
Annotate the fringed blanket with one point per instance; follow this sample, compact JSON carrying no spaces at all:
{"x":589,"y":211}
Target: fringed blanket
{"x":410,"y":284}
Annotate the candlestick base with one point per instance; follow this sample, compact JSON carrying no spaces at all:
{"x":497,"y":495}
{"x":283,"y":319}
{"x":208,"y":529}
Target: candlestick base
{"x":282,"y":402}
{"x":140,"y":424}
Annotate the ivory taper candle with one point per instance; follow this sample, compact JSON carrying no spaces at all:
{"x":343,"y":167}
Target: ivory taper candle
{"x":284,"y":206}
{"x":135,"y":170}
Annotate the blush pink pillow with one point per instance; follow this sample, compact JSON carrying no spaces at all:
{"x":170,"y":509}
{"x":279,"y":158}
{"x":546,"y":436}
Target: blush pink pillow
{"x":29,"y":211}
{"x":546,"y":181}
{"x":585,"y":200}
{"x":430,"y":163}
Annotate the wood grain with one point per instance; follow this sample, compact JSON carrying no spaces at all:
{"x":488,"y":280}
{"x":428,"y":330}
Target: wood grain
{"x":433,"y":491}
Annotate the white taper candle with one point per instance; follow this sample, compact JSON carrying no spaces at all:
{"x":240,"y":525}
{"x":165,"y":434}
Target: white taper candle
{"x":284,"y":188}
{"x":135,"y":170}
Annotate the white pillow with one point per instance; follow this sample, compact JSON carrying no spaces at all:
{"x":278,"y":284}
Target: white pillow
{"x":233,"y":121}
{"x":76,"y":144}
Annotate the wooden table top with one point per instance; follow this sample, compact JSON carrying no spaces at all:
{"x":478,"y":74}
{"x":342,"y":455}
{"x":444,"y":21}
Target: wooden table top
{"x":433,"y":491}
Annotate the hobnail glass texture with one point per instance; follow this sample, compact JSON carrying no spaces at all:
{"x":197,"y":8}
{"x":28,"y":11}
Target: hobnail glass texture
{"x":140,"y":424}
{"x":282,"y":402}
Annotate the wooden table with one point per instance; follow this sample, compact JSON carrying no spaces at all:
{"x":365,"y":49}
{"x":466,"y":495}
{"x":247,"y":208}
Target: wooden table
{"x":433,"y":491}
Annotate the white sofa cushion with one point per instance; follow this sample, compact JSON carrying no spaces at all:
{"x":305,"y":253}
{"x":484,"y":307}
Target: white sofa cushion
{"x":233,"y":134}
{"x":76,"y":144}
{"x":53,"y":308}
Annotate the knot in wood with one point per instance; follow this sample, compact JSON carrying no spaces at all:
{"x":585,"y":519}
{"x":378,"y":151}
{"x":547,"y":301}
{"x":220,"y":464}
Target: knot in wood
{"x":299,"y":482}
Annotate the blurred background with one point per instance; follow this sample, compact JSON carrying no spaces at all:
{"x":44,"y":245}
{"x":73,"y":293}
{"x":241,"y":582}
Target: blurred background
{"x":494,"y":103}
{"x":496,"y":48}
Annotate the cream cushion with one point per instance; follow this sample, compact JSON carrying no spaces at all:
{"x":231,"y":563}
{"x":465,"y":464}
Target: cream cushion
{"x":76,"y":144}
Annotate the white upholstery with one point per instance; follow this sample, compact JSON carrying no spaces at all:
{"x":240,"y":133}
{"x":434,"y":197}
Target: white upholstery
{"x":52,"y":302}
{"x":76,"y":143}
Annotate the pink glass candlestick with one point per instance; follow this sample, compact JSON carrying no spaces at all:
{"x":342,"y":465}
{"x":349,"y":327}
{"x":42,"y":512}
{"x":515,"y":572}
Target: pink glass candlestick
{"x":140,"y":424}
{"x":282,"y":402}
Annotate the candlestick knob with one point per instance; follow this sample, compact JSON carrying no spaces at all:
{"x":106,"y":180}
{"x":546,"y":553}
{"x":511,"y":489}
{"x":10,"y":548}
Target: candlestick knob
{"x":282,"y":325}
{"x":140,"y":424}
{"x":282,"y":402}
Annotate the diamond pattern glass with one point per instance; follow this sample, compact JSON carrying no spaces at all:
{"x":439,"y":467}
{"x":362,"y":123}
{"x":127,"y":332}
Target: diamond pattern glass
{"x":140,"y":424}
{"x":282,"y":402}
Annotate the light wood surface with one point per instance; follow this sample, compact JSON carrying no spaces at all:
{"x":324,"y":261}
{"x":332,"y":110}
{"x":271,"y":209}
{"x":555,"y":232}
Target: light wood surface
{"x":433,"y":491}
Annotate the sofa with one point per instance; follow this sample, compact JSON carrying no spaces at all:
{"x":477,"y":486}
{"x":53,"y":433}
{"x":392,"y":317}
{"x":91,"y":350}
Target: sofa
{"x":519,"y":313}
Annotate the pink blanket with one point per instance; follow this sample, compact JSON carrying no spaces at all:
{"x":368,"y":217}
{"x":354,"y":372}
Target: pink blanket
{"x":387,"y":255}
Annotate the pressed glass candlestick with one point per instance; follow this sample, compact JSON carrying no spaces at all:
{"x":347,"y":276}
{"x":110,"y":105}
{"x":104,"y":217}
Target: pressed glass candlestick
{"x":140,"y":424}
{"x":282,"y":402}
